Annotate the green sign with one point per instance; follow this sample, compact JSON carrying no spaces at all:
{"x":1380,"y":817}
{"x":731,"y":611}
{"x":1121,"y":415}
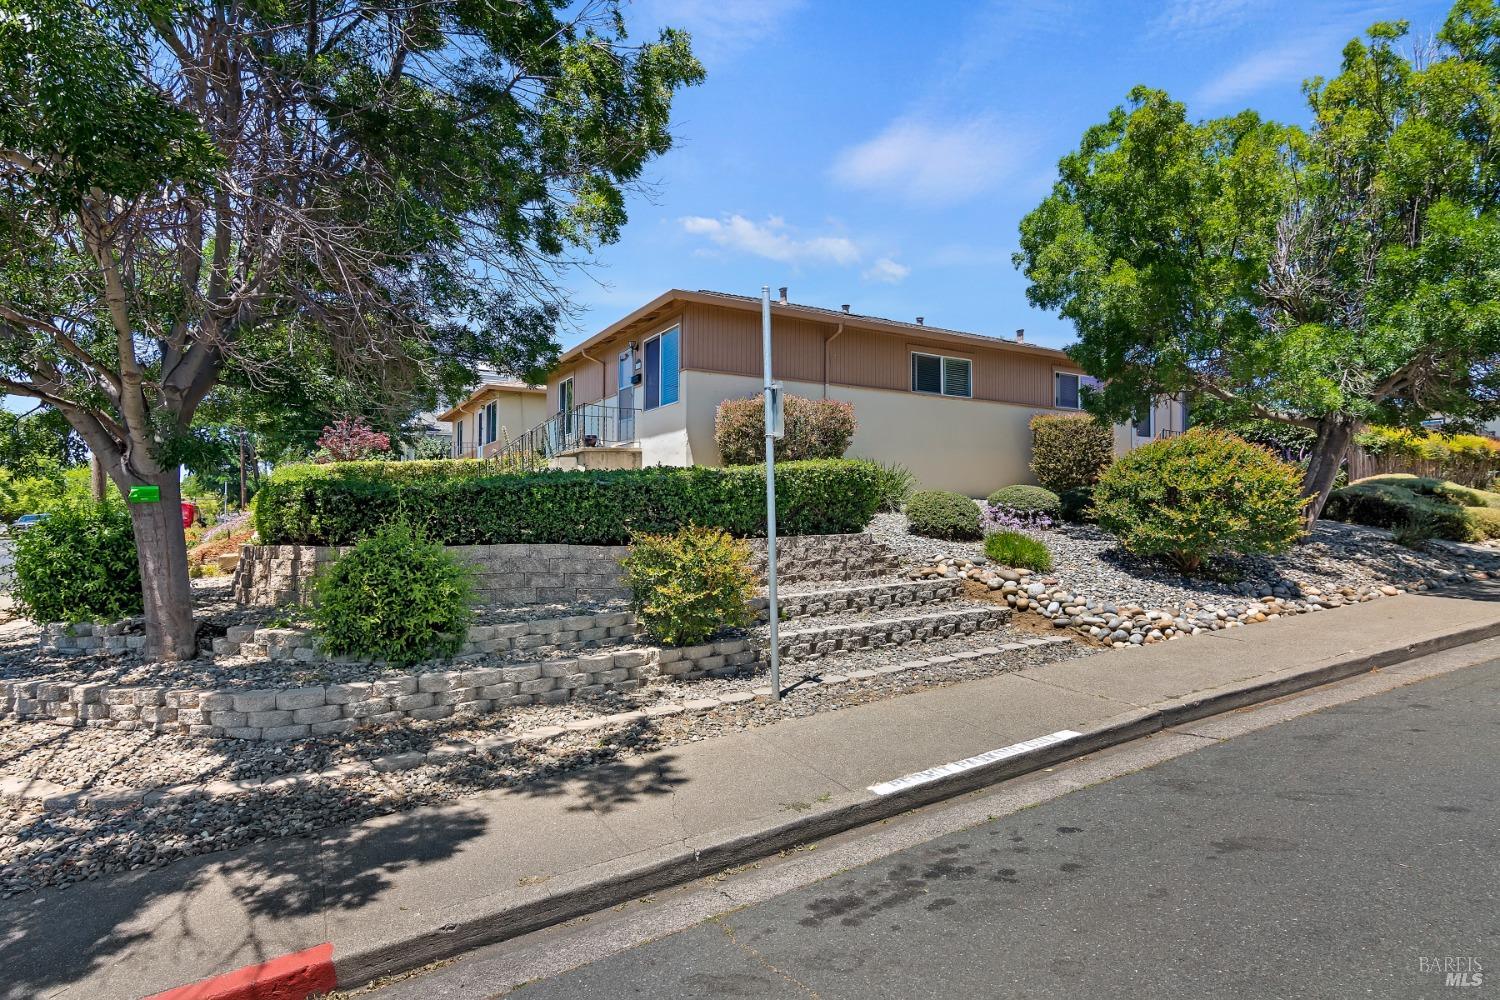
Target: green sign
{"x":145,"y":494}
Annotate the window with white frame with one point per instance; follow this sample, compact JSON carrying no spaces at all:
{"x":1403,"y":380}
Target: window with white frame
{"x":458,"y":438}
{"x":492,"y":422}
{"x":660,"y":364}
{"x":940,"y":375}
{"x":1145,"y":425}
{"x":1067,"y":389}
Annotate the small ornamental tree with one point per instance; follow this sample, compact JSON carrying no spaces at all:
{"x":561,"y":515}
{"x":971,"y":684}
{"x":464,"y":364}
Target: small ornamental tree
{"x":352,"y":441}
{"x":1204,"y":494}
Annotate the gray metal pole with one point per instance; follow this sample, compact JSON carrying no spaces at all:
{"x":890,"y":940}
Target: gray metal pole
{"x":774,"y":609}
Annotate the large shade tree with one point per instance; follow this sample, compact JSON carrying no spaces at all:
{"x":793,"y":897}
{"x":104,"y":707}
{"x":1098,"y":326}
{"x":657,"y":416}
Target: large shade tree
{"x":191,"y":187}
{"x":1317,"y":277}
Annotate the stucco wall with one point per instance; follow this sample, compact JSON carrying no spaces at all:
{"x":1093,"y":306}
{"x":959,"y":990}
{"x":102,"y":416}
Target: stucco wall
{"x":970,"y":446}
{"x":516,"y":413}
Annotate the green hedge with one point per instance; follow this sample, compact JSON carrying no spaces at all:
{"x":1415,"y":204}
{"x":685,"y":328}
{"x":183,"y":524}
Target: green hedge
{"x":338,"y":504}
{"x":1396,"y":501}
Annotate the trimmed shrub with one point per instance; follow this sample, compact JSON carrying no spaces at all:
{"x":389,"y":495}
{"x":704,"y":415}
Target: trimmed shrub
{"x":394,"y":597}
{"x":1204,"y":494}
{"x":1436,"y":507}
{"x":336,"y":505}
{"x":1027,"y":501}
{"x":78,"y":565}
{"x":689,"y":586}
{"x":940,"y":514}
{"x":815,"y":428}
{"x":1012,"y":548}
{"x":895,"y":483}
{"x":1069,"y":451}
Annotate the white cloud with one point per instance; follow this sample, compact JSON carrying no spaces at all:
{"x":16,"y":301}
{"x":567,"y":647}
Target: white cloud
{"x":1287,"y":63}
{"x":886,"y":271}
{"x":722,"y":29}
{"x":771,"y":239}
{"x":931,"y":161}
{"x":1196,"y":18}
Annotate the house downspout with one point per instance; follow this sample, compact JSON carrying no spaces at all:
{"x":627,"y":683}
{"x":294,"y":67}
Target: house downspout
{"x":826,"y":342}
{"x":603,"y":373}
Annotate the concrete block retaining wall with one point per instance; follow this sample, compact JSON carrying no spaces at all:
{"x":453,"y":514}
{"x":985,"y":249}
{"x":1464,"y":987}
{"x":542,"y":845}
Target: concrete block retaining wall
{"x":86,"y":637}
{"x":558,"y":574}
{"x":539,"y":635}
{"x":328,"y":709}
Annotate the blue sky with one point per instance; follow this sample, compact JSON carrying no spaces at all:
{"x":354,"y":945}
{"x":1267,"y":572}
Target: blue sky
{"x":882,"y":153}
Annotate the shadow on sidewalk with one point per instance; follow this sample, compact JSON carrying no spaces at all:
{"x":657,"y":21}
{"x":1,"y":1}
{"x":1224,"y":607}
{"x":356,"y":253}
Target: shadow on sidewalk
{"x":219,"y":911}
{"x":608,"y":785}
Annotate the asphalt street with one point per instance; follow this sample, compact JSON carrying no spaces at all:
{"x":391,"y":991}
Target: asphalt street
{"x":1351,"y":852}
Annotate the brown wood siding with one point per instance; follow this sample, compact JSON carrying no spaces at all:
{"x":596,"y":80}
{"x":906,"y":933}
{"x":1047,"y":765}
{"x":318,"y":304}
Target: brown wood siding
{"x":728,"y":341}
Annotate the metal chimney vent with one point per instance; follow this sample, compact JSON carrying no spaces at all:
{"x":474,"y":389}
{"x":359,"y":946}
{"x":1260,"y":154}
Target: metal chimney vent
{"x":782,"y":292}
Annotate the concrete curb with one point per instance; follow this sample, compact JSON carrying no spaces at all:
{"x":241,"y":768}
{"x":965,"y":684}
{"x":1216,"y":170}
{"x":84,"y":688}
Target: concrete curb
{"x":623,"y":879}
{"x":288,"y":977}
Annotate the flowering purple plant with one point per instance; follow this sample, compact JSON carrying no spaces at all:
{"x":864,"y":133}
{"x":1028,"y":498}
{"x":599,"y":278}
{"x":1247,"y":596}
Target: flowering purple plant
{"x":997,"y":518}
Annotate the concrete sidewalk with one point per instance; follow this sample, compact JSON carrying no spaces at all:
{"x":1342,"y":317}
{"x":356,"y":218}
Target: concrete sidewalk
{"x":406,"y":889}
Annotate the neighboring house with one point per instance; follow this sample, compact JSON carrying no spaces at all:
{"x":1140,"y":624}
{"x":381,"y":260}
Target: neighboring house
{"x":498,"y":411}
{"x":952,"y":407}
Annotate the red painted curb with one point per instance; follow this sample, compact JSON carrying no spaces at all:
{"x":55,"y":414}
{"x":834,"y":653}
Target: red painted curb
{"x":289,"y":977}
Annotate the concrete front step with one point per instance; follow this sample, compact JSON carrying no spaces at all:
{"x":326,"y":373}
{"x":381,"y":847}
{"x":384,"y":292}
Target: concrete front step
{"x":860,"y":598}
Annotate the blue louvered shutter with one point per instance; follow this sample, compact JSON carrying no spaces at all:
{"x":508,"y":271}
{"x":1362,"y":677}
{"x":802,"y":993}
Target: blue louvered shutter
{"x":669,"y":366}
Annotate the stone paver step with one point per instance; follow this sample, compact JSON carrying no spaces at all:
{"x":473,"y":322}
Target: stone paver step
{"x":896,"y":630}
{"x":860,"y":598}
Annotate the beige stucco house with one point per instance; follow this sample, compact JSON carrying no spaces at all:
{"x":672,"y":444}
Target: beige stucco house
{"x":952,"y":407}
{"x":496,"y":412}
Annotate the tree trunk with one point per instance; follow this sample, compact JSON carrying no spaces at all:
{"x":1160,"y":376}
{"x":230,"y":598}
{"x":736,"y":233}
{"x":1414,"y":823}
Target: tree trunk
{"x":161,"y":553}
{"x":1335,"y":433}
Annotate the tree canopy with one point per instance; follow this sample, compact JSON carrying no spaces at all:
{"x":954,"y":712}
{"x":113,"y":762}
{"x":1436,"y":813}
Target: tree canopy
{"x":1322,"y":276}
{"x":189,"y":188}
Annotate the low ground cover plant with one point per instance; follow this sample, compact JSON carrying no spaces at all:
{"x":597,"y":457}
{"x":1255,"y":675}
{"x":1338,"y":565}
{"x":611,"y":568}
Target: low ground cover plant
{"x":338,"y":505}
{"x":394,"y":596}
{"x":1416,"y":506}
{"x":1012,"y":548}
{"x":1198,"y":496}
{"x":689,"y":586}
{"x":1069,"y":451}
{"x":815,"y":428}
{"x":941,"y":514}
{"x":78,"y":565}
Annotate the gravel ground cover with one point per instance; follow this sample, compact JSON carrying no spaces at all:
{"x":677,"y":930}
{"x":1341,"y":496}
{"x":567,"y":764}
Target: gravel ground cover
{"x":39,"y":848}
{"x":1087,"y":560}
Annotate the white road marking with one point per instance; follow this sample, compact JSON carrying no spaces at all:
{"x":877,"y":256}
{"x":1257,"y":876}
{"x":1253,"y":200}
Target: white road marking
{"x":959,"y":766}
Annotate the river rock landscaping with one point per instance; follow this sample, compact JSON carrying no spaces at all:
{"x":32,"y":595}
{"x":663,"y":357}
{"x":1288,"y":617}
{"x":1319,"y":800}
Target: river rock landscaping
{"x":1112,"y":597}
